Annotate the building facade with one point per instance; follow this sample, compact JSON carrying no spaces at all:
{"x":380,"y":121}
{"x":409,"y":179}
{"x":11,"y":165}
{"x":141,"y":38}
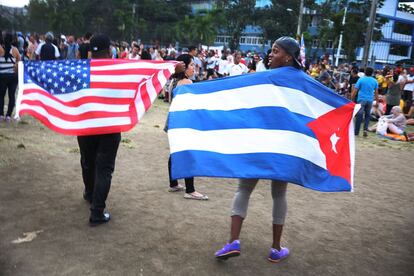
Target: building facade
{"x":398,"y":36}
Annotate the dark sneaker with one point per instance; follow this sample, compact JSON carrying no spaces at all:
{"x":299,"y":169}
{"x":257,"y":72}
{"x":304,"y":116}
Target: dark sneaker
{"x":276,"y":256}
{"x":95,"y":220}
{"x":229,"y":250}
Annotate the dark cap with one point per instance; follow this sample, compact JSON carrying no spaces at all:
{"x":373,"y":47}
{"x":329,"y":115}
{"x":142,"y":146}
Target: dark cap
{"x":100,"y":42}
{"x":291,"y":46}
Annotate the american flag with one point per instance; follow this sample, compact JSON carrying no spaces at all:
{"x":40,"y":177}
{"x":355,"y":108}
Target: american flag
{"x":302,"y":51}
{"x":89,"y":97}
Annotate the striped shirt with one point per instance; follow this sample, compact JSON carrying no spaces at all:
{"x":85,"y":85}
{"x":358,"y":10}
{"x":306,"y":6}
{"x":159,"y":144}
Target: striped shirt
{"x":7,"y":66}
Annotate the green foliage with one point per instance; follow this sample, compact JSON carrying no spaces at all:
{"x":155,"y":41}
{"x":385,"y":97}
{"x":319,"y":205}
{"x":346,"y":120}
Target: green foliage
{"x":238,"y":14}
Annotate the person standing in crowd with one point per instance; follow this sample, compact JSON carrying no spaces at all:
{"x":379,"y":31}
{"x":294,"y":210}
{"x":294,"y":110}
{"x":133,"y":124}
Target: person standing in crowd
{"x":73,"y":47}
{"x":47,"y":50}
{"x":285,"y":52}
{"x":394,"y":83}
{"x":9,"y":58}
{"x":98,"y":152}
{"x":237,"y":68}
{"x":192,"y":51}
{"x":407,"y":94}
{"x":367,"y":89}
{"x":211,"y":64}
{"x":84,"y":51}
{"x":31,"y":48}
{"x":222,"y":66}
{"x":353,"y":79}
{"x":134,"y":52}
{"x":183,"y":78}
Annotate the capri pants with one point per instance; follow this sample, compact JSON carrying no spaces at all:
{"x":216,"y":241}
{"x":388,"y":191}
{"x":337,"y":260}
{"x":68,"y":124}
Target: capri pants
{"x":242,"y":196}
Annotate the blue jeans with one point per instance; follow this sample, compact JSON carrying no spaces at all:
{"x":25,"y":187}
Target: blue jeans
{"x":364,"y":111}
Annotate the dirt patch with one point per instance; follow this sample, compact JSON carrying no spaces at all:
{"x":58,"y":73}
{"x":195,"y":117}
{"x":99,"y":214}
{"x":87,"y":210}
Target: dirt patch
{"x":153,"y":232}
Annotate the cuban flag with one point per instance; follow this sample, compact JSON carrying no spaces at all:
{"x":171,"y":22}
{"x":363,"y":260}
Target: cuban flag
{"x":278,"y":124}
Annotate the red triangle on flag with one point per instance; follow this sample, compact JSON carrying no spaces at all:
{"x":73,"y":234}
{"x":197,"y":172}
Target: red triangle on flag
{"x":332,"y":132}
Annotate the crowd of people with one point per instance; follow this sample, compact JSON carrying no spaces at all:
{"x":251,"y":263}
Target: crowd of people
{"x":384,"y":95}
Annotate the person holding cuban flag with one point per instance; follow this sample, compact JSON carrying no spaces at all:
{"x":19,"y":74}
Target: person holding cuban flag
{"x":285,"y":52}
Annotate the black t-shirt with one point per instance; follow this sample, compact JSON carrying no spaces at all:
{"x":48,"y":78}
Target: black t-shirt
{"x":47,"y":52}
{"x":84,"y":48}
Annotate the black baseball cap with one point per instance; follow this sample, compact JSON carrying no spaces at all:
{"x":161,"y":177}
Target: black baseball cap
{"x":100,"y":42}
{"x":291,"y":46}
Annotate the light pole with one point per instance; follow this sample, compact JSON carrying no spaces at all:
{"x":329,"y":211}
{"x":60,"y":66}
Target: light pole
{"x":338,"y":52}
{"x":299,"y":30}
{"x":370,"y":29}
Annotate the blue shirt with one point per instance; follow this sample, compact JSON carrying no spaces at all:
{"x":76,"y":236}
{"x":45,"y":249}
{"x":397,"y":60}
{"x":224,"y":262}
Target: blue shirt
{"x":366,"y":87}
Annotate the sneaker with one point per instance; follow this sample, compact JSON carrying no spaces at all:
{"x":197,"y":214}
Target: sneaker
{"x":229,"y":250}
{"x":276,"y":256}
{"x":1,"y":118}
{"x":196,"y":196}
{"x":177,"y":188}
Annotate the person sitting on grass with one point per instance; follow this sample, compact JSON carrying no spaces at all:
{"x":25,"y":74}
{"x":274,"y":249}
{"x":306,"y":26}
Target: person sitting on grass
{"x":396,"y":122}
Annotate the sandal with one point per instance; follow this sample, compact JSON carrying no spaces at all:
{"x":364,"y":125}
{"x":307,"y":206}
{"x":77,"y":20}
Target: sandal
{"x":177,"y":188}
{"x":195,"y":195}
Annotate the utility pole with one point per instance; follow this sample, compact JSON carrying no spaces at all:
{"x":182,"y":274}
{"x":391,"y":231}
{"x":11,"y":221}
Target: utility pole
{"x":299,"y":31}
{"x":338,"y":52}
{"x":370,"y":29}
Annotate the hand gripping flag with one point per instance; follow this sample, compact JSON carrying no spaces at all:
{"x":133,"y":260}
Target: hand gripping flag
{"x":278,"y":124}
{"x":89,"y":97}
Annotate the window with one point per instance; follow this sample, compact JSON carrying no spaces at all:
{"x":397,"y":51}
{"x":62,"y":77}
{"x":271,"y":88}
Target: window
{"x":329,"y":44}
{"x":403,"y":28}
{"x":315,"y":43}
{"x":399,"y":50}
{"x":242,"y":40}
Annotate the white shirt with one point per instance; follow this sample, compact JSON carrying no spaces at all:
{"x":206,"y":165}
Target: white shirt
{"x":39,"y":48}
{"x":222,"y":66}
{"x":237,"y":69}
{"x":260,"y":66}
{"x":409,"y":86}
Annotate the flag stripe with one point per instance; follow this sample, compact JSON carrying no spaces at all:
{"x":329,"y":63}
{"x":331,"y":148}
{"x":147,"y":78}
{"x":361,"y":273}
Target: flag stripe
{"x":37,"y":93}
{"x":134,"y":65}
{"x":88,"y":123}
{"x":280,"y":77}
{"x":99,"y":92}
{"x":254,"y":140}
{"x":112,"y":85}
{"x":146,"y":63}
{"x":256,"y":165}
{"x":118,"y":79}
{"x":260,"y":117}
{"x":77,"y":131}
{"x":253,"y":96}
{"x":67,"y":116}
{"x":77,"y":109}
{"x":144,"y":72}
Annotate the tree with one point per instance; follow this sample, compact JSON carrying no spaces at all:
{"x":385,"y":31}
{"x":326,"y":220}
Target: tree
{"x":355,"y":25}
{"x":238,"y":14}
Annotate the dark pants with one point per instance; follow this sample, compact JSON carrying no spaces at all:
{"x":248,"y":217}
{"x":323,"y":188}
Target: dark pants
{"x":98,"y":154}
{"x":407,"y":97}
{"x":189,"y":182}
{"x":8,"y":82}
{"x":365,"y":112}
